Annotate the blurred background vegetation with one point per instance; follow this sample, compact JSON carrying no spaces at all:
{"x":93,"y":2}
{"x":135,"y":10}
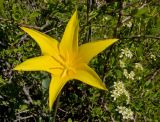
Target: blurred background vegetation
{"x":136,"y":23}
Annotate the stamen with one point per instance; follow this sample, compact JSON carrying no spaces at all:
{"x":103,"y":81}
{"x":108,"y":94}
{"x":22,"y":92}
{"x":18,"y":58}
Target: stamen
{"x":64,"y":73}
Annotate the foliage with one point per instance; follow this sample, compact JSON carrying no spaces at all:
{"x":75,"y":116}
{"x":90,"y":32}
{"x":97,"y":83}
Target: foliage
{"x":24,"y":95}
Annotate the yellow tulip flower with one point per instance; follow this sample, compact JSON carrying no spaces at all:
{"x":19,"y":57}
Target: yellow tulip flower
{"x":65,"y":60}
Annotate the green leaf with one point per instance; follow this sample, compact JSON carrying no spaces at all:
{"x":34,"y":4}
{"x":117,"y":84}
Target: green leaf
{"x":140,"y":12}
{"x":1,"y":6}
{"x":93,"y":14}
{"x":45,"y":83}
{"x":1,"y":81}
{"x":23,"y":107}
{"x":119,"y":73}
{"x":69,"y":120}
{"x":34,"y":15}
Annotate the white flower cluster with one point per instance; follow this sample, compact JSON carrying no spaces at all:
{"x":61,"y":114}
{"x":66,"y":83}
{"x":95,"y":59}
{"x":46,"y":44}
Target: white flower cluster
{"x":122,"y":64}
{"x":126,"y":112}
{"x":129,"y":75}
{"x":126,"y":52}
{"x":128,"y":24}
{"x":100,"y":3}
{"x":138,"y":66}
{"x":153,"y":57}
{"x":119,"y":90}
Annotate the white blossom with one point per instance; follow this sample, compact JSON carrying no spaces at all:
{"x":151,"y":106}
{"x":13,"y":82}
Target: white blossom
{"x":126,"y":52}
{"x":125,"y":72}
{"x":129,"y":24}
{"x":139,"y":78}
{"x":153,"y":57}
{"x":99,"y":3}
{"x":129,"y":75}
{"x":122,"y":64}
{"x":119,"y":89}
{"x":138,"y":66}
{"x":126,"y":112}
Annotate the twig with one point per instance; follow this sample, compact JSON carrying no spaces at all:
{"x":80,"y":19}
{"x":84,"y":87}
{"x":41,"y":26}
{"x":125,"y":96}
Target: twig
{"x":140,"y":36}
{"x":119,"y":18}
{"x":3,"y":44}
{"x":145,"y":3}
{"x":29,"y":26}
{"x":135,"y":118}
{"x":26,"y":92}
{"x":154,"y":74}
{"x":89,"y":8}
{"x":36,"y":27}
{"x":25,"y":36}
{"x":126,"y":19}
{"x":49,"y":30}
{"x":106,"y":108}
{"x":5,"y":20}
{"x":25,"y":111}
{"x":62,"y":110}
{"x":19,"y":119}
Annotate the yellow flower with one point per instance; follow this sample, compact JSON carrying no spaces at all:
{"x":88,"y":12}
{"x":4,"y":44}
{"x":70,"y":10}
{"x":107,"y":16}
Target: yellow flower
{"x":65,"y":60}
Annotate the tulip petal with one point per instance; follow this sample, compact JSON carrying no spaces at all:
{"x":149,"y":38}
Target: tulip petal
{"x":48,"y":45}
{"x":89,"y":50}
{"x":43,"y":63}
{"x":69,"y":42}
{"x":56,"y":85}
{"x":88,"y":76}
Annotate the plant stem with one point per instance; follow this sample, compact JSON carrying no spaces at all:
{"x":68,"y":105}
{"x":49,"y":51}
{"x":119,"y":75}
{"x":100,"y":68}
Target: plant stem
{"x":89,"y":8}
{"x":56,"y":108}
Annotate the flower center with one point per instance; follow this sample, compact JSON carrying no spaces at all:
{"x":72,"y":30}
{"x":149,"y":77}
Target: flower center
{"x":68,"y":65}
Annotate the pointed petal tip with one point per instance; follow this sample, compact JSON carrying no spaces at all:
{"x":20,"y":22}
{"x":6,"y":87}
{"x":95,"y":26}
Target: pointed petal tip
{"x":113,"y":40}
{"x":103,"y":87}
{"x":76,"y":12}
{"x":22,"y":27}
{"x":25,"y":28}
{"x":15,"y":68}
{"x":116,"y":39}
{"x":18,"y":68}
{"x":50,"y":107}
